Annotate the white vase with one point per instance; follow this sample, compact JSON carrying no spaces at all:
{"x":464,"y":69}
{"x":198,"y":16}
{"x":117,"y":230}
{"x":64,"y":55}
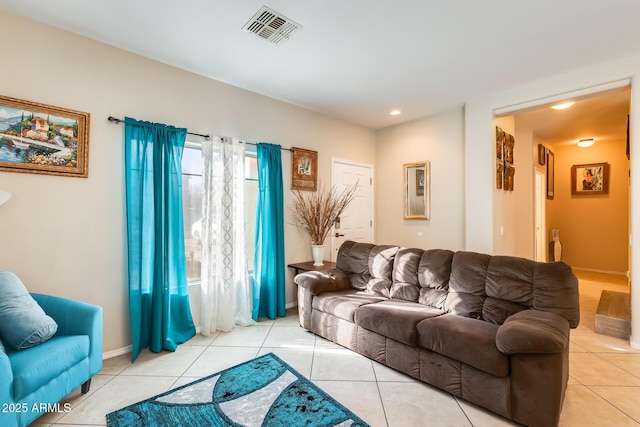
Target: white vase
{"x":318,"y":255}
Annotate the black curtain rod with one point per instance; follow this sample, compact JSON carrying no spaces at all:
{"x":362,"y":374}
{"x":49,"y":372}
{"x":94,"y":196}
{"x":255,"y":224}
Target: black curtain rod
{"x":118,"y":121}
{"x":253,"y":143}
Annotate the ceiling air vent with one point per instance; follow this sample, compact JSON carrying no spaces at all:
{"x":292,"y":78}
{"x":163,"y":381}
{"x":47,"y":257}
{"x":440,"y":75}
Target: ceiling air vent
{"x":271,"y":25}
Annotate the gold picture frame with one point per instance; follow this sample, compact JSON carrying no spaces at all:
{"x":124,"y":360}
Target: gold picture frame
{"x":304,"y":169}
{"x":417,"y":190}
{"x":43,"y":139}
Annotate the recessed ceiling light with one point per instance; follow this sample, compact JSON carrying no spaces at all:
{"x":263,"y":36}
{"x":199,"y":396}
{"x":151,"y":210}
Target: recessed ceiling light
{"x":395,"y":112}
{"x":563,"y":105}
{"x":586,"y":142}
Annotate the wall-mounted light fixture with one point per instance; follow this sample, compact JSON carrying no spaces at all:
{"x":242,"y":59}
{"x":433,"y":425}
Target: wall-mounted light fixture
{"x":4,"y":196}
{"x":586,"y":142}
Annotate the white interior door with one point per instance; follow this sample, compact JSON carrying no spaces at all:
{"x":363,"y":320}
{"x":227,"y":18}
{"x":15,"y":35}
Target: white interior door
{"x":540,"y":231}
{"x":356,"y":222}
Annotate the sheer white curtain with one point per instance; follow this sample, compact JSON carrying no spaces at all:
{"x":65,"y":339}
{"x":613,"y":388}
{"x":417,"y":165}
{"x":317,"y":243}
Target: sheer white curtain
{"x":225,"y":287}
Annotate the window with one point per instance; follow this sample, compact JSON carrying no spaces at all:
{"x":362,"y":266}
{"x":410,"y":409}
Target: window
{"x":192,"y":188}
{"x":192,"y":209}
{"x":250,"y":204}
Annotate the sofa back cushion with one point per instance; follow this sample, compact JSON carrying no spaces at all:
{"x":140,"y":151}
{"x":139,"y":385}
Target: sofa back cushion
{"x":353,"y":259}
{"x":493,"y":288}
{"x":509,"y":287}
{"x":406,"y":285}
{"x":434,"y":272}
{"x":381,"y":260}
{"x":466,"y":284}
{"x":556,"y":290}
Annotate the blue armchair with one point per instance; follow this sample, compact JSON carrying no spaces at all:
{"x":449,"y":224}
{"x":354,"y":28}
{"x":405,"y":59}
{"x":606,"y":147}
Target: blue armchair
{"x":33,"y":380}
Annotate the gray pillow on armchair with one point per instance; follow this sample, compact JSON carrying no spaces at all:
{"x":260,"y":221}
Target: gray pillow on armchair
{"x":23,"y":323}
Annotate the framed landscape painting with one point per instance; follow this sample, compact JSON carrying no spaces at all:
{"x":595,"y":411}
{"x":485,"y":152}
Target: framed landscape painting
{"x":39,"y":138}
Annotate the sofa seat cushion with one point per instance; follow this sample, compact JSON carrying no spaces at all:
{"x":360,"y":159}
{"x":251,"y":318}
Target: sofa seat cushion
{"x":343,"y":304}
{"x":38,"y":365}
{"x":470,"y":341}
{"x":395,"y":318}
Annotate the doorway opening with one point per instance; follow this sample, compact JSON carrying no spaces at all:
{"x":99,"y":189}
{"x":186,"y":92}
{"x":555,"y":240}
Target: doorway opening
{"x":593,"y":227}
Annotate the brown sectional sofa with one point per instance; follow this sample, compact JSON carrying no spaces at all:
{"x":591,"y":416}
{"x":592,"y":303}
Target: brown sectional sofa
{"x":493,"y":330}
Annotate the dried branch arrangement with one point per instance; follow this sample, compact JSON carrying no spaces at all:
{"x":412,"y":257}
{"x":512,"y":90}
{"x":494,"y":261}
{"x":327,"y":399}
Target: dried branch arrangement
{"x":318,"y":211}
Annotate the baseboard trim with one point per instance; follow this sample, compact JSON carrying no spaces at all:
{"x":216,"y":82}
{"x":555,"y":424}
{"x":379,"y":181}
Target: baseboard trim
{"x":124,"y":350}
{"x":117,"y":352}
{"x":594,"y":270}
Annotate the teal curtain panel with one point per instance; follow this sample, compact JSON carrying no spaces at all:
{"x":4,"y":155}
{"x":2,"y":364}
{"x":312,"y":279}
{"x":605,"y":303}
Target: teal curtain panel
{"x":269,"y":264}
{"x":158,"y":298}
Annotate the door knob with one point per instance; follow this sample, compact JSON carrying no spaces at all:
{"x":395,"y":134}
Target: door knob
{"x":338,"y":235}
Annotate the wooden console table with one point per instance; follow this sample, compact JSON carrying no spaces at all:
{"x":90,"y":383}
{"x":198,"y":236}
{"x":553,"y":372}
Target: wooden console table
{"x":301,"y":267}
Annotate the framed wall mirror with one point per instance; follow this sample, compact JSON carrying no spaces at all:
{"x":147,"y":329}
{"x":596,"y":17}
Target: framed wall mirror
{"x":417,"y":190}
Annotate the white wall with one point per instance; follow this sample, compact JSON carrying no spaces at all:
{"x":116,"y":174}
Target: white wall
{"x":513,"y":211}
{"x":479,"y":230}
{"x":437,"y":139}
{"x":66,"y":236}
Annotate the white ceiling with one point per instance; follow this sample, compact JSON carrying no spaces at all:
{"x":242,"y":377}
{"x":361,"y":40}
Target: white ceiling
{"x":358,"y":59}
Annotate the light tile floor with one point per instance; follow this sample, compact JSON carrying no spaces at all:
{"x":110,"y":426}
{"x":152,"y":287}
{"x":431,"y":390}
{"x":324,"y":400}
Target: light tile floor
{"x":604,"y":387}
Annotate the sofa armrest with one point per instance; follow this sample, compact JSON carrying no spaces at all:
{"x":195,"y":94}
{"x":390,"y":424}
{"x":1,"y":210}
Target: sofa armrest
{"x":317,"y":282}
{"x":76,"y":318}
{"x":533,"y":331}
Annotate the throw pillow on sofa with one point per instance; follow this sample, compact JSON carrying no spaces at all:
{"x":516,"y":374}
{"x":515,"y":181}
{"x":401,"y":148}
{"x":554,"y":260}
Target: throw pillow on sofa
{"x":23,"y":323}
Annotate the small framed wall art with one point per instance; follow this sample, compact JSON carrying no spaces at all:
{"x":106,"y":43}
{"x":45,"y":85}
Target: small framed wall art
{"x":43,"y":139}
{"x":542,"y":155}
{"x":590,"y":179}
{"x":304,"y":169}
{"x":550,"y":175}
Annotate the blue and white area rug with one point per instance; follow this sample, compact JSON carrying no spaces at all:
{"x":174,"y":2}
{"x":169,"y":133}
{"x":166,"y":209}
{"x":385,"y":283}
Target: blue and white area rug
{"x":261,"y":392}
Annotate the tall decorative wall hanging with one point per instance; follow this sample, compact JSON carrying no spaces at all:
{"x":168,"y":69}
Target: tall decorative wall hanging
{"x":304,"y":167}
{"x":505,"y":169}
{"x":499,"y":157}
